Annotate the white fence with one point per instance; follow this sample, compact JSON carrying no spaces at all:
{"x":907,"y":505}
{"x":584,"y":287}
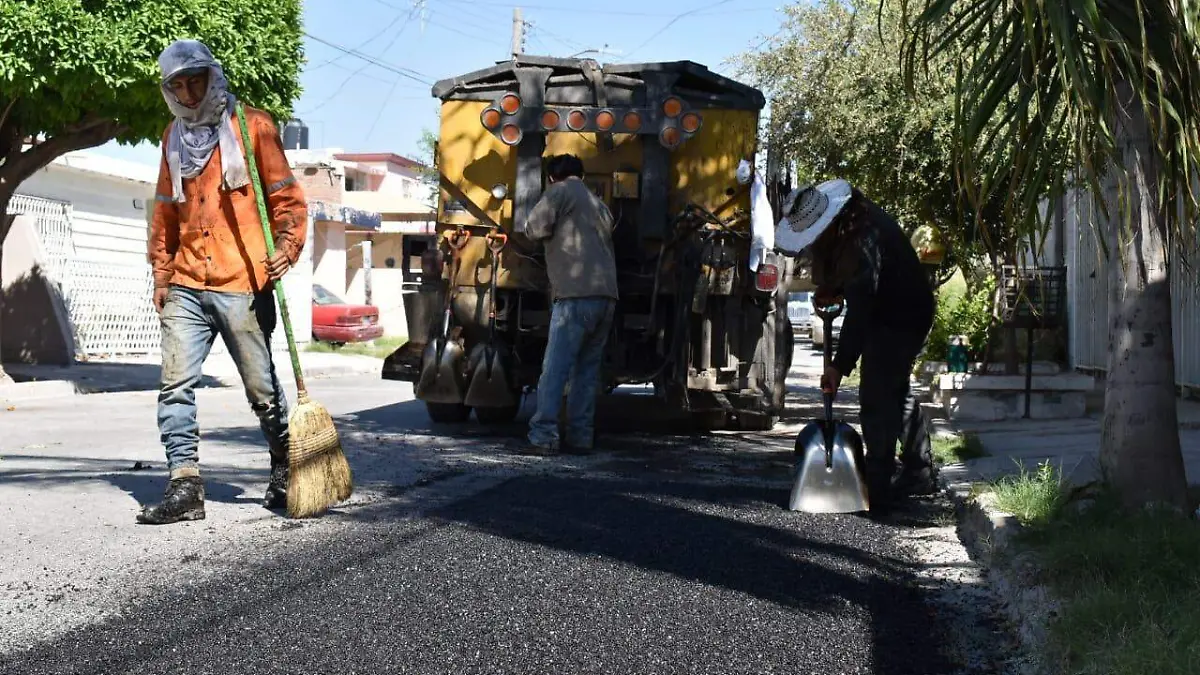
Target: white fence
{"x":109,"y":304}
{"x":1087,"y":291}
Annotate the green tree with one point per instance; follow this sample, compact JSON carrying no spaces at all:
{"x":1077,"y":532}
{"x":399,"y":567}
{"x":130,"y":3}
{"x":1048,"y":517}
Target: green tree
{"x":76,"y":75}
{"x":839,"y":108}
{"x":1120,"y":78}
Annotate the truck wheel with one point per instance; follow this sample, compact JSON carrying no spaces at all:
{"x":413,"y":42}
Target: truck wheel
{"x":447,"y":413}
{"x":502,"y":415}
{"x":710,"y":420}
{"x":753,"y":420}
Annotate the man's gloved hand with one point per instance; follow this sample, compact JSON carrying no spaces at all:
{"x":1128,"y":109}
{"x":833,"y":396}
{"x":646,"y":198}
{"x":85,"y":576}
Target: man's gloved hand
{"x":277,"y":266}
{"x":831,"y":379}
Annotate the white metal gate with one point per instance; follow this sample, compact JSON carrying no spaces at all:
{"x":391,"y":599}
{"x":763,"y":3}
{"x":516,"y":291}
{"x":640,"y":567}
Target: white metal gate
{"x":1087,"y":287}
{"x":110,"y":305}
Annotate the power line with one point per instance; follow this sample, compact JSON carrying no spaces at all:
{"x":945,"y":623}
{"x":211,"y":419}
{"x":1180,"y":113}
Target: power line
{"x":346,"y":81}
{"x":607,"y":12}
{"x":672,"y":22}
{"x":403,"y":72}
{"x":366,"y":42}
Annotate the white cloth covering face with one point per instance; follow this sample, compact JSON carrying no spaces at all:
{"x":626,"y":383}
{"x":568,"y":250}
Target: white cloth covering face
{"x":197,"y":131}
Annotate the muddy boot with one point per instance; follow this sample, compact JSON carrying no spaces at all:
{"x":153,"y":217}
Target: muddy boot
{"x":916,"y":481}
{"x":184,"y":500}
{"x":276,"y":497}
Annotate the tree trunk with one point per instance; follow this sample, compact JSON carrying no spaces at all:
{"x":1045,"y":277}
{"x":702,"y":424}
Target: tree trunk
{"x":1140,"y":452}
{"x":5,"y":224}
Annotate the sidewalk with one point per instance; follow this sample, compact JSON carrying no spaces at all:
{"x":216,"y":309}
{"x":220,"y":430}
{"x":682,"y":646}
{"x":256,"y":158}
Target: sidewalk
{"x":1072,"y":445}
{"x":141,"y":373}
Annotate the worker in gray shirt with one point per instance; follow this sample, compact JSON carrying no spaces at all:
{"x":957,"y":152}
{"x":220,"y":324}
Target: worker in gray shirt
{"x":575,"y":227}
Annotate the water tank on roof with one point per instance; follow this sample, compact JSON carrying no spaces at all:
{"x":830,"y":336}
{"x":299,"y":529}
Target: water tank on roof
{"x":295,"y":135}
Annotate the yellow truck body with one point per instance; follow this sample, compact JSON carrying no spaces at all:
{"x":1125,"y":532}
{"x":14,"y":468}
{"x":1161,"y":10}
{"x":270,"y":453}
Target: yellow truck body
{"x":660,"y":144}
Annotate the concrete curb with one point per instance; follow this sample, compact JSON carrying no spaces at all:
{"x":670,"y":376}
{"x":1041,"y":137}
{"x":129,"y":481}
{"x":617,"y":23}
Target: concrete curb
{"x":105,"y":378}
{"x":988,"y":533}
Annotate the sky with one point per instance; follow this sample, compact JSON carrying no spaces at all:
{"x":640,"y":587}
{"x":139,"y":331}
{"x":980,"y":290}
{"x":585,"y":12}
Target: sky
{"x":351,"y":103}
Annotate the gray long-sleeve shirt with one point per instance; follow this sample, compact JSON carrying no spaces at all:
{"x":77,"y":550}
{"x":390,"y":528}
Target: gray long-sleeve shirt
{"x":576,"y":228}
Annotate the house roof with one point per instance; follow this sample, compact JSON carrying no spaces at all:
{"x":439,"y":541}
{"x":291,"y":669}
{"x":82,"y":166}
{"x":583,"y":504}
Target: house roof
{"x":367,"y":157}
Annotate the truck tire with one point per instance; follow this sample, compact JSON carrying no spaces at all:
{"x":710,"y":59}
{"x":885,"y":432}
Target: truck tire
{"x":709,"y":420}
{"x":495,"y":416}
{"x":447,"y":413}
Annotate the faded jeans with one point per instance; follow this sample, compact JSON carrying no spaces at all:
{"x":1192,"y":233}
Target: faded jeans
{"x":191,"y":321}
{"x":579,"y":330}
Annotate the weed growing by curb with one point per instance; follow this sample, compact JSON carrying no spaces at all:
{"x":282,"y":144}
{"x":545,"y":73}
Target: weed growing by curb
{"x":1034,"y":497}
{"x":956,"y":449}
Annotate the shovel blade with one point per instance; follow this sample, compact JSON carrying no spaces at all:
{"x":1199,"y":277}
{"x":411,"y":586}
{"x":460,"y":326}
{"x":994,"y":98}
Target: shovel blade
{"x":491,"y":384}
{"x":829,"y":482}
{"x":442,"y":379}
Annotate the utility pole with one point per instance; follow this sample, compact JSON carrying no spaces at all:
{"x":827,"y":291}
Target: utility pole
{"x":518,"y":33}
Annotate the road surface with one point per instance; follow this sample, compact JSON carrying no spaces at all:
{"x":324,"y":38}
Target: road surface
{"x":669,"y":552}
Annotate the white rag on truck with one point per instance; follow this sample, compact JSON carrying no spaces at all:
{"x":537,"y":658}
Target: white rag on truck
{"x":762,"y":219}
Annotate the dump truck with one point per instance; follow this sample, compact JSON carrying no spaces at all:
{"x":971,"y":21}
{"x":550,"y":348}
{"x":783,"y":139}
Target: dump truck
{"x":660,"y":143}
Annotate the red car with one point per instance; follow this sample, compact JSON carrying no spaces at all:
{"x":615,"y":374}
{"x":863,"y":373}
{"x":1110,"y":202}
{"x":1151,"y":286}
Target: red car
{"x":337,"y":323}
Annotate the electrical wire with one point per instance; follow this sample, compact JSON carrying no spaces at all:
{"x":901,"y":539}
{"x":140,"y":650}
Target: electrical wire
{"x":376,"y":36}
{"x":369,"y":62}
{"x":606,"y":12}
{"x":675,"y":20}
{"x":403,"y":72}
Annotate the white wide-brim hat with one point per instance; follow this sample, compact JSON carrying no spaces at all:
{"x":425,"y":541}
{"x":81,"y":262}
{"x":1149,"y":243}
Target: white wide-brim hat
{"x":807,"y":213}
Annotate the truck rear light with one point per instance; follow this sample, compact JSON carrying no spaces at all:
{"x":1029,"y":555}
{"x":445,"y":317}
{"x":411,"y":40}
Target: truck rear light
{"x":767,"y":279}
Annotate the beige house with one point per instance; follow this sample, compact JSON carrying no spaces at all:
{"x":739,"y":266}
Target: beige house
{"x":369,"y":207}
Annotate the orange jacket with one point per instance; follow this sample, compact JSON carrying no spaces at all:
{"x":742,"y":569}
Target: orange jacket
{"x":214,"y":240}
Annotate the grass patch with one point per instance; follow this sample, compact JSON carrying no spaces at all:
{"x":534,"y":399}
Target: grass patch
{"x":1129,"y":585}
{"x":379,"y":349}
{"x":1034,"y":497}
{"x":955,"y":449}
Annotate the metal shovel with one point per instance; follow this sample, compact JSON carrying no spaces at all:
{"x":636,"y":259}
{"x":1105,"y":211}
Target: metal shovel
{"x":443,"y":379}
{"x":490,"y":363}
{"x":829,"y":472}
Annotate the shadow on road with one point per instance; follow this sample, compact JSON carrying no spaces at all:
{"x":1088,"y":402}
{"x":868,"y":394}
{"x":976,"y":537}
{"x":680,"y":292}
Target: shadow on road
{"x":832,"y":585}
{"x":145,"y":485}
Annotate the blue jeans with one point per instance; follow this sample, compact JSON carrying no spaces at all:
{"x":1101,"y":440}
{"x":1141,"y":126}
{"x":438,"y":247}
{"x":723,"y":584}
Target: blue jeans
{"x":578,"y":333}
{"x":191,"y":321}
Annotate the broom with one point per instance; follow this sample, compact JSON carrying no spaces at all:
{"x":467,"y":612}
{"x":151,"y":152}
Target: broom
{"x":318,"y":473}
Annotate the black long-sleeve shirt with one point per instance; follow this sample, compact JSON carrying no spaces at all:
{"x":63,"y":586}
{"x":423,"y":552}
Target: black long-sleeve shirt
{"x":889,"y":288}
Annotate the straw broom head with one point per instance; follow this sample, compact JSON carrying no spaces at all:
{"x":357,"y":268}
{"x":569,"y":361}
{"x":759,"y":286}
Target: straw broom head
{"x":318,"y":473}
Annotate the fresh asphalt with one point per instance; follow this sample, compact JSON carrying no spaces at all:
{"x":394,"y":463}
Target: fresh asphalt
{"x":668,"y":551}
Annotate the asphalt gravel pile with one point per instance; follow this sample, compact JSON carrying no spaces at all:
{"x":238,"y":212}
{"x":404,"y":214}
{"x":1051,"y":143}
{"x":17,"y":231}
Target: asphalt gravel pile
{"x":544,"y":574}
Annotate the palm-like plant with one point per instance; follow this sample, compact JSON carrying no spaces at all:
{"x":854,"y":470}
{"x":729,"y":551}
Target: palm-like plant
{"x":1121,"y":78}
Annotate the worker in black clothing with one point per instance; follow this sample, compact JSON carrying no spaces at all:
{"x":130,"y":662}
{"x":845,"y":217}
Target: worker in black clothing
{"x":861,"y":257}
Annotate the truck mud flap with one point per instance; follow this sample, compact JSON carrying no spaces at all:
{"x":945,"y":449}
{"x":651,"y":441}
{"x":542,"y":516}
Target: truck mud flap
{"x":404,"y":364}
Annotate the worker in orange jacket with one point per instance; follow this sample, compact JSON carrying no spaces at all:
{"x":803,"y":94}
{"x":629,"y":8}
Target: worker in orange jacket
{"x":212,"y":274}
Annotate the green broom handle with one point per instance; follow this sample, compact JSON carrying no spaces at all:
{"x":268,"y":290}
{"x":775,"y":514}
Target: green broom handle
{"x":266,"y":225}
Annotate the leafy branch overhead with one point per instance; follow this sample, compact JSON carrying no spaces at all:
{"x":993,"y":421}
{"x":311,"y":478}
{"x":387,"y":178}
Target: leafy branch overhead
{"x":839,"y":108}
{"x":78,"y":74}
{"x":1041,"y":84}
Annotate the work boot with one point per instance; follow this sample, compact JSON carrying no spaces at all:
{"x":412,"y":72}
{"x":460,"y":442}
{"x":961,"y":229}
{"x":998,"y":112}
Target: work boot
{"x":879,"y":491}
{"x":915,"y":482}
{"x":184,"y":500}
{"x":276,"y":497}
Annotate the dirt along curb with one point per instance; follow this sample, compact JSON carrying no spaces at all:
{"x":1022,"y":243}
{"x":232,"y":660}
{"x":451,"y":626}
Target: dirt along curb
{"x":1014,"y":576}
